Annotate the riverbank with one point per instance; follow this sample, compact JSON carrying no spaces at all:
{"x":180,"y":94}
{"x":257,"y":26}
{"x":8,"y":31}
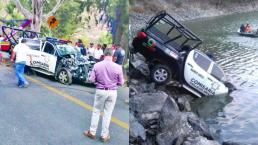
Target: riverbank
{"x":142,"y":11}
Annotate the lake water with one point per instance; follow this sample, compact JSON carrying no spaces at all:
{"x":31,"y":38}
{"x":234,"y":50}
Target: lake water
{"x":235,"y":117}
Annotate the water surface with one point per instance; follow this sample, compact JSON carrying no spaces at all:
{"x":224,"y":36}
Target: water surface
{"x":234,"y":117}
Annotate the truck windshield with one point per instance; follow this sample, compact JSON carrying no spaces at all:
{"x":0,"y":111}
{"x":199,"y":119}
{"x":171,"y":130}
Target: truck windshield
{"x":67,"y":49}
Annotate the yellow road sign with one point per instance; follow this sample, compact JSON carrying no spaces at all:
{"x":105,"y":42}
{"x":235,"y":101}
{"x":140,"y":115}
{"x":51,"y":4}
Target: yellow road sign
{"x":52,"y":22}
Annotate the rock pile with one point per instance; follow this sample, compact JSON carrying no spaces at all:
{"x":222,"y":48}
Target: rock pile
{"x":159,"y":119}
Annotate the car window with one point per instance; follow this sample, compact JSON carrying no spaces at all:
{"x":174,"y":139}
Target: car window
{"x":33,"y":44}
{"x":160,"y":30}
{"x":49,"y":48}
{"x":174,"y":35}
{"x":67,"y":49}
{"x":217,"y":72}
{"x":202,"y":61}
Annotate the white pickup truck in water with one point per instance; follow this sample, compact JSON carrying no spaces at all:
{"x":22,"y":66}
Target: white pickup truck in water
{"x":170,"y":51}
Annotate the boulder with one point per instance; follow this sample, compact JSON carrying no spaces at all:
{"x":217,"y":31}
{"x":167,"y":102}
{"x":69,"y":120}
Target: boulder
{"x":148,"y":102}
{"x":199,"y":125}
{"x":183,"y":103}
{"x":138,"y":62}
{"x":230,"y":86}
{"x":232,"y":143}
{"x":139,"y":86}
{"x":165,"y":138}
{"x":199,"y":140}
{"x":137,"y":132}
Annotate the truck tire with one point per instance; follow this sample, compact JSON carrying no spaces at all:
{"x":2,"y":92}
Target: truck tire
{"x":86,"y":74}
{"x":161,"y":74}
{"x":64,"y":76}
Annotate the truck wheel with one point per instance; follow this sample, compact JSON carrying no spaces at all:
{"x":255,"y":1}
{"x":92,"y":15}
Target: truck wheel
{"x":161,"y":74}
{"x":29,"y":71}
{"x":64,"y":76}
{"x":86,"y":74}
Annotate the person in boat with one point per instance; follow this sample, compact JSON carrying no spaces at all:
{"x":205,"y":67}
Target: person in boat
{"x":248,"y":28}
{"x":242,"y":28}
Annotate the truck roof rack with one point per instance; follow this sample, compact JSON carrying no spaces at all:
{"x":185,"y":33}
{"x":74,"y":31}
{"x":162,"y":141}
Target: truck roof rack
{"x":13,"y":34}
{"x":167,"y":18}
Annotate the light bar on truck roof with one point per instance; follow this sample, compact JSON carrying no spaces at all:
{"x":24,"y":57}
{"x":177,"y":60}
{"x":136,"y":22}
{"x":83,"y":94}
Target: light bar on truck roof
{"x":53,"y":39}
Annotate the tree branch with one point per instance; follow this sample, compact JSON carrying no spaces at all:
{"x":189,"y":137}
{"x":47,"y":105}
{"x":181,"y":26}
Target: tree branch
{"x":56,"y":7}
{"x":23,"y":10}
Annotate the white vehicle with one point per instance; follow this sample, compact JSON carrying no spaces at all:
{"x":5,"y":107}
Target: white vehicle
{"x":57,"y":58}
{"x":170,"y":51}
{"x":204,"y":75}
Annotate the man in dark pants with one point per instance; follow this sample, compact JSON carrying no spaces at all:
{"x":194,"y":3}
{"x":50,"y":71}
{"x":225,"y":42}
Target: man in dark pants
{"x":20,"y":52}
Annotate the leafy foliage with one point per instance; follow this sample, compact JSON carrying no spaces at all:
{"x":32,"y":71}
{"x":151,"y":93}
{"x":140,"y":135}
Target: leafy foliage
{"x":12,"y":12}
{"x":68,"y":19}
{"x":105,"y":38}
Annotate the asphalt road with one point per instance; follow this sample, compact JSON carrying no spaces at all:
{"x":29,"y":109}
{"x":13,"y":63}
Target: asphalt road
{"x":49,"y":113}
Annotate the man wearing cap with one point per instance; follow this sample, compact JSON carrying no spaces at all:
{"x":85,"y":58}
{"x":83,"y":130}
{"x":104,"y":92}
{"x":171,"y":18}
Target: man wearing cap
{"x":107,"y":76}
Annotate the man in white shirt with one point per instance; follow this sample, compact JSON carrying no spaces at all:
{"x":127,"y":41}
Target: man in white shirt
{"x":20,"y":52}
{"x":98,"y":53}
{"x":90,"y":51}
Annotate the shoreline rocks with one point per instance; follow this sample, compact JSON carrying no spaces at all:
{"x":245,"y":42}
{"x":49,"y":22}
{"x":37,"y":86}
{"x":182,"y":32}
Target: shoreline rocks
{"x":160,"y":115}
{"x":156,"y":118}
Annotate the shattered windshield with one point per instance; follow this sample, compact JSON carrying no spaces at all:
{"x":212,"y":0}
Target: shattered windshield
{"x":67,"y":49}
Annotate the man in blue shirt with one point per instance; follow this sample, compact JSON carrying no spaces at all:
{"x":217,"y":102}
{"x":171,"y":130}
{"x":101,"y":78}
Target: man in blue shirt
{"x":119,"y":55}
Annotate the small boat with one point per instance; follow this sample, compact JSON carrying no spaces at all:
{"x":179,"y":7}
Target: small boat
{"x":252,"y":34}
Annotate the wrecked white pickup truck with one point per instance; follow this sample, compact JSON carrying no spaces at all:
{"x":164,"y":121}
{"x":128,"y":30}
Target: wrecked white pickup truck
{"x":55,"y":57}
{"x":171,"y":53}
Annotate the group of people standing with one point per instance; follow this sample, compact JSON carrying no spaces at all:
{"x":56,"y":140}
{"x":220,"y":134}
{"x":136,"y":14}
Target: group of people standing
{"x":107,"y":74}
{"x":96,"y":52}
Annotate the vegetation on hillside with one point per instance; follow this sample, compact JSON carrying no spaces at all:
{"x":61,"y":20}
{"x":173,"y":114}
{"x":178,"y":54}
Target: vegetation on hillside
{"x":71,"y":16}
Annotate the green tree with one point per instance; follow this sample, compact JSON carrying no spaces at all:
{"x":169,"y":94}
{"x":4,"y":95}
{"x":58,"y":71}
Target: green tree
{"x":118,"y":9}
{"x":105,"y":38}
{"x":68,"y":19}
{"x":36,"y":10}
